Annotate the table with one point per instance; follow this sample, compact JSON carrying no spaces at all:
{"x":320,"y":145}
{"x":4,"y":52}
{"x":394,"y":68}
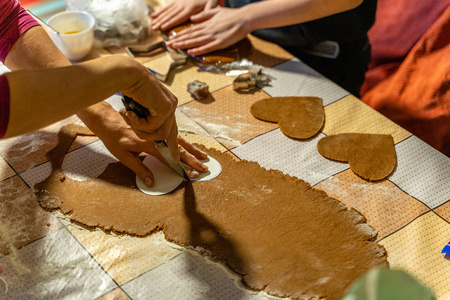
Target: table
{"x":47,"y":257}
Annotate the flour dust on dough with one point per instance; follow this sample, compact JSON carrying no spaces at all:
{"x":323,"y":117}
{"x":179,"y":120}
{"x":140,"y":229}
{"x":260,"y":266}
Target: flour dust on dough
{"x":275,"y":231}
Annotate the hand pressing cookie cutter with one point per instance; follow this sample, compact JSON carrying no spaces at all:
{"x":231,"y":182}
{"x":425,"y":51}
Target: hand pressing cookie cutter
{"x":178,"y":56}
{"x":143,"y":112}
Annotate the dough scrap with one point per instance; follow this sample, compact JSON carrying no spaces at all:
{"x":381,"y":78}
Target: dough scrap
{"x":274,"y":230}
{"x":371,"y":156}
{"x":298,"y":117}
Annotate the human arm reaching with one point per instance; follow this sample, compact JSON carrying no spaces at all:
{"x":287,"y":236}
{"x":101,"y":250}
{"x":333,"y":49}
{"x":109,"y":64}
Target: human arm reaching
{"x":219,"y":27}
{"x":34,"y":52}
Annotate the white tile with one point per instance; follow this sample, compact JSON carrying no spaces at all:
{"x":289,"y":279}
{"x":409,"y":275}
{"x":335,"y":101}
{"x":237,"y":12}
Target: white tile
{"x":187,"y":277}
{"x":36,"y":174}
{"x":294,"y":78}
{"x":81,"y":164}
{"x":297,"y":158}
{"x":115,"y":101}
{"x":422,"y":172}
{"x":87,"y":162}
{"x":54,"y":267}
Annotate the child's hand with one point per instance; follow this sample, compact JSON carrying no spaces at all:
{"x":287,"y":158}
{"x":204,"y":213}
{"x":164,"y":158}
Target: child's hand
{"x":178,"y":12}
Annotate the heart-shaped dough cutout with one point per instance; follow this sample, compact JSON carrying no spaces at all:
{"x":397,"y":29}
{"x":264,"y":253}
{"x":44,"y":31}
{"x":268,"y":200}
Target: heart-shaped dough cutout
{"x":298,"y":117}
{"x":371,"y":156}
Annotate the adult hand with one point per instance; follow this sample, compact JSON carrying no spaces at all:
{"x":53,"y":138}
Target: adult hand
{"x":126,"y":146}
{"x":217,"y":28}
{"x":177,"y":12}
{"x":161,"y":103}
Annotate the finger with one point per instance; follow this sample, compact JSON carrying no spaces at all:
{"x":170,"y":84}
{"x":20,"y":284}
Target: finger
{"x":134,"y":163}
{"x":148,"y":125}
{"x":143,"y":135}
{"x":199,"y":154}
{"x":167,"y":19}
{"x":182,"y":34}
{"x":192,"y":173}
{"x":191,"y":42}
{"x":192,"y":161}
{"x":148,"y":136}
{"x":123,"y":113}
{"x":151,"y":125}
{"x":161,"y":10}
{"x":172,"y":141}
{"x":209,"y":47}
{"x":203,"y":16}
{"x":165,"y":16}
{"x":134,"y":119}
{"x":210,"y":4}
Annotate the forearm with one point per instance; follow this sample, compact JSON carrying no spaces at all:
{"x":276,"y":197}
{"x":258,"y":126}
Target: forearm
{"x":42,"y":97}
{"x":96,"y":116}
{"x":278,"y":13}
{"x":35,"y":50}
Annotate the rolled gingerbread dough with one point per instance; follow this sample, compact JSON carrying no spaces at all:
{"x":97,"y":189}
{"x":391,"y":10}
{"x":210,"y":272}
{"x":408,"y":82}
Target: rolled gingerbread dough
{"x":371,"y":156}
{"x":274,"y":230}
{"x":298,"y":117}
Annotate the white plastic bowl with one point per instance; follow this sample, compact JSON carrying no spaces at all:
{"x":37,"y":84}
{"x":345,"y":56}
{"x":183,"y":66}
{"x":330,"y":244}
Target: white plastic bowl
{"x":76,"y":36}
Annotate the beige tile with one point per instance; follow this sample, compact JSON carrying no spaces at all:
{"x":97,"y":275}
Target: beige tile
{"x":194,"y":133}
{"x":125,"y":257}
{"x":444,"y":211}
{"x":417,"y":249}
{"x":386,"y":207}
{"x":5,"y":170}
{"x":352,"y":115}
{"x":228,"y":118}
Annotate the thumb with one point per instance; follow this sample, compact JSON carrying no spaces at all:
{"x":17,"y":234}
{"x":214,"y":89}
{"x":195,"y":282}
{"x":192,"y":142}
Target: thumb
{"x":135,"y":164}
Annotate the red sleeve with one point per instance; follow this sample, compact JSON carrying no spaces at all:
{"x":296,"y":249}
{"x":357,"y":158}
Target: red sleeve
{"x":14,"y":21}
{"x":4,"y":105}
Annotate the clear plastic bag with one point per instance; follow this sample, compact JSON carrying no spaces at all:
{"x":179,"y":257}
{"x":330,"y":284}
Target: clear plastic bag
{"x":118,"y":22}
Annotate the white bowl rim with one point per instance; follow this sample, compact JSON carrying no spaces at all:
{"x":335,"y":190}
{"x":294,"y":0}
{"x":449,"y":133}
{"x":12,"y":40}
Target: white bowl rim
{"x":74,"y":12}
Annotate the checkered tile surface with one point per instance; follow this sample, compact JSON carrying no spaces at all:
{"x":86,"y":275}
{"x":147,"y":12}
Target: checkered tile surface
{"x":46,"y":257}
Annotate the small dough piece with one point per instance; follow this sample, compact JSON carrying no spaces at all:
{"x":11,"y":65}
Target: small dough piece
{"x":199,"y":90}
{"x":298,"y":117}
{"x":166,"y":179}
{"x":371,"y":156}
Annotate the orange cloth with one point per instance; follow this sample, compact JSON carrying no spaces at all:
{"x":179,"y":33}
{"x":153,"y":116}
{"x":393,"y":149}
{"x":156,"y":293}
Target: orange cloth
{"x":417,"y":94}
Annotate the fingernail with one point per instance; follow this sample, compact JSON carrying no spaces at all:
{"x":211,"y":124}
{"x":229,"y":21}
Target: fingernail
{"x":148,"y":181}
{"x":194,"y":174}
